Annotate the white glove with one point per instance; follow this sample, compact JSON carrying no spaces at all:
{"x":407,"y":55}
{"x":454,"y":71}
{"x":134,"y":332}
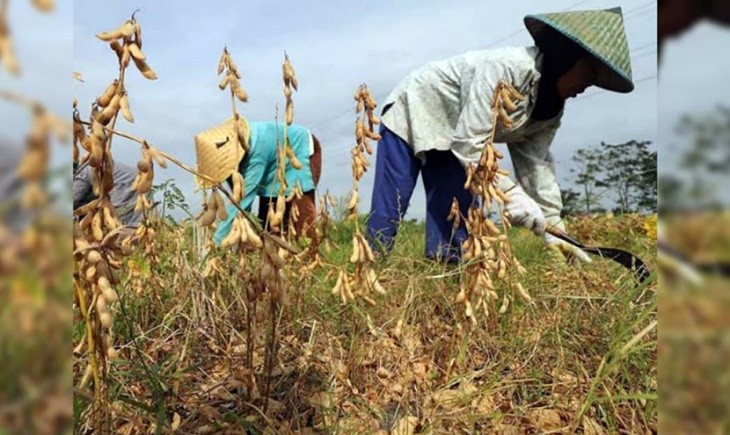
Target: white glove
{"x":523,"y":210}
{"x":571,"y":253}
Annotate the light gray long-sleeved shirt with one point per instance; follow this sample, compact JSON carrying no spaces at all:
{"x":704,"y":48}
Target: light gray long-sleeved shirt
{"x":122,"y":196}
{"x":446,"y":105}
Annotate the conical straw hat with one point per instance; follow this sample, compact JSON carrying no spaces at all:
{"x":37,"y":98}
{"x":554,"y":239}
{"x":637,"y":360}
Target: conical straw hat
{"x":219,"y":151}
{"x":601,"y":33}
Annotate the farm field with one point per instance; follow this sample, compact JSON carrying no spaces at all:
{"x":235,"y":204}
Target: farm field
{"x":278,"y":334}
{"x":409,"y":364}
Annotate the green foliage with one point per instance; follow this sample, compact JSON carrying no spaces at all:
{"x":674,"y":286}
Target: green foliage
{"x":704,"y":158}
{"x":172,"y":199}
{"x":629,"y":173}
{"x":623,"y":176}
{"x":587,"y":161}
{"x":571,"y":202}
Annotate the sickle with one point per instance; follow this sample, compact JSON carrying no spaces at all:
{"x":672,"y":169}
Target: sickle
{"x":624,"y":258}
{"x":718,"y":268}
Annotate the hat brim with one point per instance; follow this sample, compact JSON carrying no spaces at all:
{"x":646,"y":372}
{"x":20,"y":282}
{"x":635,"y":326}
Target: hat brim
{"x":615,"y":80}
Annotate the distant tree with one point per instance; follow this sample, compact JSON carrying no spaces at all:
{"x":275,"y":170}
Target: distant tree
{"x":648,"y":198}
{"x":671,"y":193}
{"x":628,"y":171}
{"x":571,"y":202}
{"x":624,"y":173}
{"x":697,"y":178}
{"x":586,"y":170}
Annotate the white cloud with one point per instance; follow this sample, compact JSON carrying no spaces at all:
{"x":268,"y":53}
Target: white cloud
{"x":334,"y":47}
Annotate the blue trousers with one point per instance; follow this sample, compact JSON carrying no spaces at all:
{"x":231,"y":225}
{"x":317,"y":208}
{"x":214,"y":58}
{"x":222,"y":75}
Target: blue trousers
{"x":396,"y":174}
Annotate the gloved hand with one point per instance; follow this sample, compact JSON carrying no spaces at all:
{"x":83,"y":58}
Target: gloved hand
{"x":523,"y":210}
{"x":570,"y":253}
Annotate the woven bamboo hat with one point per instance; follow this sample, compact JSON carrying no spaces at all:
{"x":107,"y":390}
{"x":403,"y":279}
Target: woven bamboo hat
{"x":219,"y":151}
{"x":601,"y":33}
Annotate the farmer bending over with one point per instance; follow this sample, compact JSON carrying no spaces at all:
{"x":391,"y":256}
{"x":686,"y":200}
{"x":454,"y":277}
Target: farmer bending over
{"x":438,"y":119}
{"x":122,"y":197}
{"x":219,"y":156}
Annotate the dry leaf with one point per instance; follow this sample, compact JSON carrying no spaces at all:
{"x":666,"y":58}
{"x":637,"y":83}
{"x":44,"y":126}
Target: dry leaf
{"x":322,"y":403}
{"x":406,"y":425}
{"x":322,"y":400}
{"x":590,"y":427}
{"x":209,"y":413}
{"x":419,"y":369}
{"x":446,"y":398}
{"x":223,"y":394}
{"x":398,"y":329}
{"x":564,"y":377}
{"x":396,"y":388}
{"x":383,"y":373}
{"x":467,"y":388}
{"x":411,"y":342}
{"x":546,"y":419}
{"x":77,"y":76}
{"x":341,"y":369}
{"x":275,"y":407}
{"x":449,"y":398}
{"x":357,"y":425}
{"x":509,"y":430}
{"x":279,"y":371}
{"x":175,"y":421}
{"x":484,"y":405}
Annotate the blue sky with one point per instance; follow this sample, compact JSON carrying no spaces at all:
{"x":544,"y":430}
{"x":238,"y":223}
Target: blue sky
{"x":333,"y":46}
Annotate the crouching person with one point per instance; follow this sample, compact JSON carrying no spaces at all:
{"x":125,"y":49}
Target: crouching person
{"x":219,"y":156}
{"x":436,"y":121}
{"x":122,"y":197}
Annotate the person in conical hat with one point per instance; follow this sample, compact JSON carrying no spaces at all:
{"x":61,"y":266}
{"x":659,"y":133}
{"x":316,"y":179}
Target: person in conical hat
{"x":437,"y":119}
{"x":676,"y":18}
{"x":219,"y":156}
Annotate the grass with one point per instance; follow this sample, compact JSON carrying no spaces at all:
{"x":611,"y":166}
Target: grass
{"x":695,"y":377}
{"x":409,"y":360}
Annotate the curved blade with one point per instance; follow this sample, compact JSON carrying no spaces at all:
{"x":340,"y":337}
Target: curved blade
{"x":624,"y":258}
{"x":719,"y":268}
